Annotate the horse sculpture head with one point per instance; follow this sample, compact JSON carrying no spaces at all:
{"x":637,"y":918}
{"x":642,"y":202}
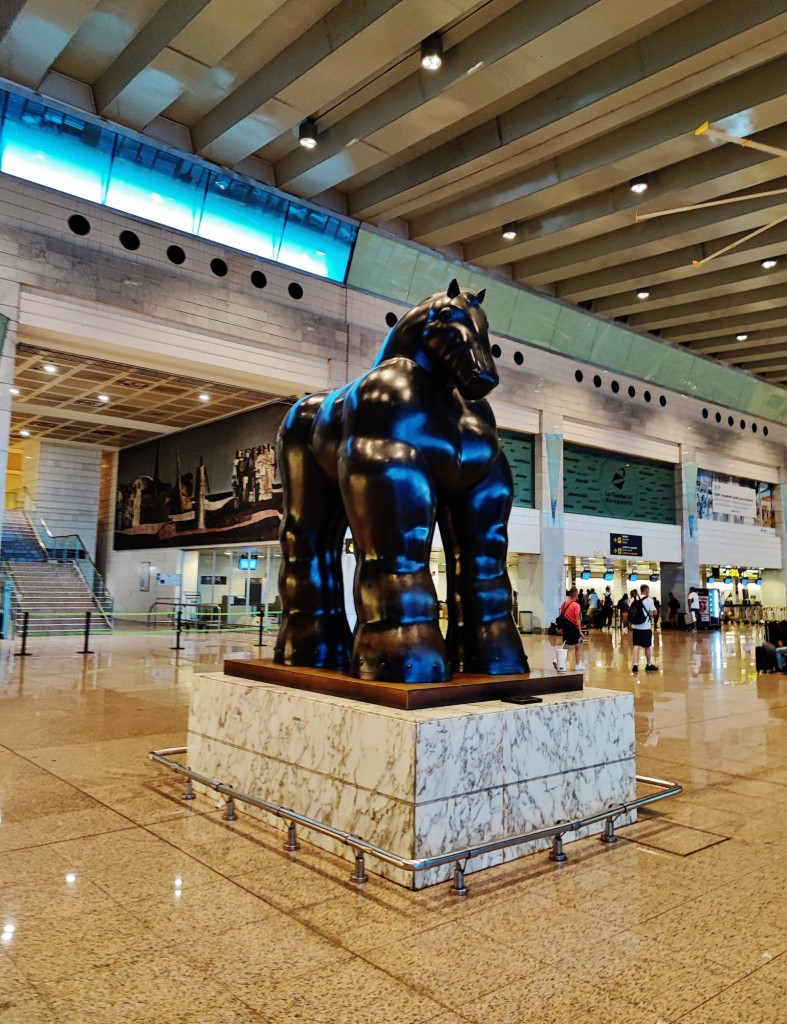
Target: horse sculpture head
{"x":447,"y":334}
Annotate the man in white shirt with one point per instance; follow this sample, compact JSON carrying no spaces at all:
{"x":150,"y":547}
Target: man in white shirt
{"x":640,"y":622}
{"x":694,"y":607}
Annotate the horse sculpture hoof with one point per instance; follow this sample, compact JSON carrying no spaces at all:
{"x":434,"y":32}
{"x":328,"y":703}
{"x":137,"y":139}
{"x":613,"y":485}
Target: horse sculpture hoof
{"x":314,"y":641}
{"x":415,"y":653}
{"x":496,"y":649}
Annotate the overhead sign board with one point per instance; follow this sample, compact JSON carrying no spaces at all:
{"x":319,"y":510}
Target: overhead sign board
{"x":625,"y":544}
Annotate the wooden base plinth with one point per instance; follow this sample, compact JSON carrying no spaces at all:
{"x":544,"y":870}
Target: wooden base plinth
{"x":462,"y":689}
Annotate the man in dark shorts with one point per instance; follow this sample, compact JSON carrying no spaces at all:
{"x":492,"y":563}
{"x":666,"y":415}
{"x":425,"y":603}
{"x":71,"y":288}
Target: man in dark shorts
{"x":641,"y":612}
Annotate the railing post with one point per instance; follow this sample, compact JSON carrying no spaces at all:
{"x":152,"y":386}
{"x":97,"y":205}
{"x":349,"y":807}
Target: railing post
{"x":359,"y":874}
{"x":24,"y":651}
{"x":262,"y":622}
{"x":556,"y":853}
{"x":458,"y":887}
{"x":292,"y":845}
{"x":178,"y":628}
{"x":85,"y":648}
{"x":608,"y":835}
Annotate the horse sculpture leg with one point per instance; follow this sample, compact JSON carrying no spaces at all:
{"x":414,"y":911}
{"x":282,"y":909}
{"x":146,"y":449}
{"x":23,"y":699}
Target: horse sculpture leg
{"x":482,"y":634}
{"x":390,"y":501}
{"x":314,"y":629}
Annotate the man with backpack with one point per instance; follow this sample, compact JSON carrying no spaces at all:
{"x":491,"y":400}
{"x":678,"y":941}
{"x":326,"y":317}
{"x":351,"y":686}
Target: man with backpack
{"x":640,"y":622}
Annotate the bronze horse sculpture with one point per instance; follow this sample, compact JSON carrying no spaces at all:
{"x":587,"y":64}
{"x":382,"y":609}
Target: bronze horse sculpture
{"x":410,"y":443}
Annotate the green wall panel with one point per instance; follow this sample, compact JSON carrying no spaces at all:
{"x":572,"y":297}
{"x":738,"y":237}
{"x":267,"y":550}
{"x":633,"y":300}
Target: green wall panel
{"x":618,"y":486}
{"x":520,"y":449}
{"x":405,"y":272}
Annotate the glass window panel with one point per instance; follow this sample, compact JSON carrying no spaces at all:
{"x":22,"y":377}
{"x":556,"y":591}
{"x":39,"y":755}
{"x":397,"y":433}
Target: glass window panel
{"x":157,"y":185}
{"x":57,"y":150}
{"x":316,"y":242}
{"x":238,"y":214}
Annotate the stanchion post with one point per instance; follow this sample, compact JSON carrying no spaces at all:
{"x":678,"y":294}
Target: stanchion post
{"x":25,"y":619}
{"x":178,"y":628}
{"x":85,"y":648}
{"x":262,"y":622}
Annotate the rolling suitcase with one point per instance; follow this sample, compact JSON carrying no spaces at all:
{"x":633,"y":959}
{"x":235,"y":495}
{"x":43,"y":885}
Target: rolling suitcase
{"x":765,"y":658}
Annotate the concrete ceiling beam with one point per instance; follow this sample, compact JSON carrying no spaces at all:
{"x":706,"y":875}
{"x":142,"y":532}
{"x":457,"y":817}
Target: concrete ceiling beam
{"x":758,"y":343}
{"x":673,"y":267}
{"x":694,"y":287}
{"x":327,"y":35}
{"x":506,"y":34}
{"x":660,"y":138}
{"x":729,"y":326}
{"x":665,"y":48}
{"x":697,"y":228}
{"x":148,"y":43}
{"x":719,"y":305}
{"x":711,"y":175}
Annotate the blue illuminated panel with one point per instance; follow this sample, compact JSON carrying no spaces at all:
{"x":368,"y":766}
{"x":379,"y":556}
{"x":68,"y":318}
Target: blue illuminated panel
{"x":73,"y":155}
{"x":54,"y":149}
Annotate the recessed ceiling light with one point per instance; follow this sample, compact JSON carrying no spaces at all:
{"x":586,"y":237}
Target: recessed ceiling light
{"x":741,"y":337}
{"x":307,"y":134}
{"x":103,"y":398}
{"x":204,"y":398}
{"x":768,"y":264}
{"x":643,"y":293}
{"x":509,"y":232}
{"x":14,"y":391}
{"x":24,"y":433}
{"x":639,"y":184}
{"x":432,"y":52}
{"x":50,"y":368}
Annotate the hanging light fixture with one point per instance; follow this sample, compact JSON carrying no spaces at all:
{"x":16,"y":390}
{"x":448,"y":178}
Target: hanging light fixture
{"x":307,"y":134}
{"x":432,"y":52}
{"x":639,"y":184}
{"x":509,"y":232}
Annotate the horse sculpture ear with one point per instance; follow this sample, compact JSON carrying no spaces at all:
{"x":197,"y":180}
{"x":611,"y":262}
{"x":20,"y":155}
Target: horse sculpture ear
{"x":453,"y":289}
{"x":481,"y":295}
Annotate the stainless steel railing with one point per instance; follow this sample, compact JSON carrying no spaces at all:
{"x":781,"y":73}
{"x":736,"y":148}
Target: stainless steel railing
{"x":362,"y":848}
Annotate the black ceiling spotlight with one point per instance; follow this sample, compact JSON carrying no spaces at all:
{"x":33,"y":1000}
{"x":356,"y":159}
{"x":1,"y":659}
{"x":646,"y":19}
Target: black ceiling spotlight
{"x":432,"y":52}
{"x":639,"y":184}
{"x":307,"y":134}
{"x":509,"y":232}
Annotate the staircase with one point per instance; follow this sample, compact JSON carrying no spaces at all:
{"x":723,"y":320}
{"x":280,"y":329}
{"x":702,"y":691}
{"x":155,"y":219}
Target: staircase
{"x":20,"y":540}
{"x":53,"y":592}
{"x":56,"y":596}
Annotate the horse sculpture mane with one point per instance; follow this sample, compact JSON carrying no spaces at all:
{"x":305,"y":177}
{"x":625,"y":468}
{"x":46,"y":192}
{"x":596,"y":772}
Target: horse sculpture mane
{"x":409,"y":444}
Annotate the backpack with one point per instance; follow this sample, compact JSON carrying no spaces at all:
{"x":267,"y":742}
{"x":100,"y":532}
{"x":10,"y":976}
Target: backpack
{"x":637,"y":614}
{"x":561,"y":621}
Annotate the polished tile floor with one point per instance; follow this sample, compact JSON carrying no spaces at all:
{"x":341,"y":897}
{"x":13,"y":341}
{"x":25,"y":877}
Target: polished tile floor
{"x":118,"y":903}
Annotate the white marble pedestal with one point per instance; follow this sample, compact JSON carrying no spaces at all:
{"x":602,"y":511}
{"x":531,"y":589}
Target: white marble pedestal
{"x":417,"y":783}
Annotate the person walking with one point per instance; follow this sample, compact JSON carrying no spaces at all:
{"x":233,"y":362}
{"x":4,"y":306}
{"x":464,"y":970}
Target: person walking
{"x":570,"y":617}
{"x":674,"y":607}
{"x":694,"y":607}
{"x":641,"y":612}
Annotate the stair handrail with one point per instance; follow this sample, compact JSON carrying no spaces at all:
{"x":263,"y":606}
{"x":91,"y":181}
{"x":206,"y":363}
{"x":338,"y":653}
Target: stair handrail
{"x":10,"y":599}
{"x":19,"y":499}
{"x":69,"y":547}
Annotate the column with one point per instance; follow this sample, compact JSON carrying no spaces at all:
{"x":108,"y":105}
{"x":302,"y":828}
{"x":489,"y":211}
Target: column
{"x":9,"y":314}
{"x":542,"y":576}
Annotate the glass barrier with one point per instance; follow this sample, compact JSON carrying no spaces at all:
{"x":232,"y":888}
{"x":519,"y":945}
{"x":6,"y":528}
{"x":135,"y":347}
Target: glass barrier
{"x":72,"y":154}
